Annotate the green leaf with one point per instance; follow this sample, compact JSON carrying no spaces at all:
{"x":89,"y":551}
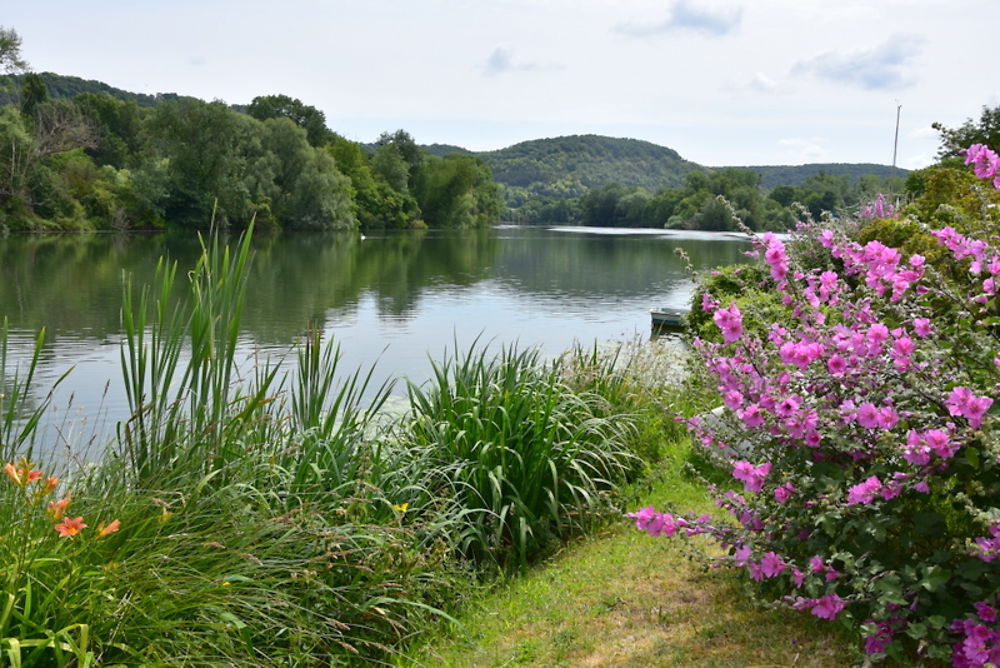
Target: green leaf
{"x":934,"y":578}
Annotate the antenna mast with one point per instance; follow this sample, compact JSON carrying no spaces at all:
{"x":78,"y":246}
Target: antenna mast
{"x":895,"y":142}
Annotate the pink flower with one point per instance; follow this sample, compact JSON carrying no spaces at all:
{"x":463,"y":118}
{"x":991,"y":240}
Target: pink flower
{"x":939,"y":441}
{"x":707,"y":303}
{"x":888,"y":417}
{"x":986,"y":612}
{"x":878,"y":333}
{"x":662,"y":524}
{"x":730,"y":321}
{"x":788,"y":406}
{"x":752,"y":476}
{"x":864,"y":492}
{"x":868,"y":415}
{"x":816,"y":564}
{"x":784,"y":492}
{"x":828,"y":607}
{"x":733,"y":399}
{"x":643,"y":517}
{"x":752,"y":416}
{"x":962,"y":402}
{"x":772,"y":565}
{"x":837,"y":365}
{"x":742,"y":555}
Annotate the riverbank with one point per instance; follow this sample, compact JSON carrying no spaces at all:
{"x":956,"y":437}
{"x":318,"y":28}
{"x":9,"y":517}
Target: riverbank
{"x":270,"y":520}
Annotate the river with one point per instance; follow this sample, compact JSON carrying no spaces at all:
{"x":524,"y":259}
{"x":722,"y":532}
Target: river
{"x":393,"y":299}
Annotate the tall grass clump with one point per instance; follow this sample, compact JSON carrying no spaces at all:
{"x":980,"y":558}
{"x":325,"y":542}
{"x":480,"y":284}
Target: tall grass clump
{"x":521,"y":458}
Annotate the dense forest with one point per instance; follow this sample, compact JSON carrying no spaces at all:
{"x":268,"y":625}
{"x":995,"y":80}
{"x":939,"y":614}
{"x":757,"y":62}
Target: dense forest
{"x":82,"y":155}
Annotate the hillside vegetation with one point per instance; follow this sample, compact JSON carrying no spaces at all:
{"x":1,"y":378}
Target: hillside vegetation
{"x":570,"y":166}
{"x":772,"y":176}
{"x":609,"y":181}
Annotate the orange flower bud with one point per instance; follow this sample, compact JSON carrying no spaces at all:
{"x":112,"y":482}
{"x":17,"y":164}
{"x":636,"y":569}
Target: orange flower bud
{"x":103,"y":531}
{"x":50,"y":485}
{"x":58,"y":508}
{"x":13,"y":472}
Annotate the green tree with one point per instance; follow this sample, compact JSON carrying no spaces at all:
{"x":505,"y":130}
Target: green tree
{"x":33,"y":93}
{"x":205,"y":146}
{"x":309,"y":118}
{"x":408,"y":149}
{"x":457,"y":191}
{"x":376,"y":203}
{"x":119,"y":126}
{"x":10,"y":51}
{"x":305,"y":190}
{"x":17,"y":145}
{"x":984,"y":131}
{"x":389,"y":163}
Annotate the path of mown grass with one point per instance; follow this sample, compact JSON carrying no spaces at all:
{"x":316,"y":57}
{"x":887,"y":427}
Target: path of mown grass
{"x":621,"y":598}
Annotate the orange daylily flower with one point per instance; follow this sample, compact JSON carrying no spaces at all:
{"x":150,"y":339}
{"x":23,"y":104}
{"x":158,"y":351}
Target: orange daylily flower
{"x":22,"y":473}
{"x":70,"y":527}
{"x":58,"y":508}
{"x":103,"y":531}
{"x":50,"y":485}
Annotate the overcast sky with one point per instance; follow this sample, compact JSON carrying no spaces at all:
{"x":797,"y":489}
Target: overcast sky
{"x":722,"y":82}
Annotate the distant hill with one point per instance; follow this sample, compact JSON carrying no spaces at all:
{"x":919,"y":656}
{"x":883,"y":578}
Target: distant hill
{"x":796,"y":175}
{"x":61,"y":86}
{"x":441,"y":150}
{"x":565,"y":167}
{"x":569,"y":166}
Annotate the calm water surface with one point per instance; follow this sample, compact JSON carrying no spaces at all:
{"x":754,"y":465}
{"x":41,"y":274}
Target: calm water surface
{"x":394,"y":299}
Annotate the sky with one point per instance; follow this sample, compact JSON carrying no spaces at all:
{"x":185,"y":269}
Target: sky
{"x":721,"y":82}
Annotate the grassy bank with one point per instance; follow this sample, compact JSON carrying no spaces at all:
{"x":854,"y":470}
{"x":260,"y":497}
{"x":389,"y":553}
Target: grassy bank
{"x":620,"y":598}
{"x":283,"y":519}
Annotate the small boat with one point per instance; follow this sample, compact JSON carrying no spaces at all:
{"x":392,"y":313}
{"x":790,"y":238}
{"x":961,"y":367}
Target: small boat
{"x":668,"y":318}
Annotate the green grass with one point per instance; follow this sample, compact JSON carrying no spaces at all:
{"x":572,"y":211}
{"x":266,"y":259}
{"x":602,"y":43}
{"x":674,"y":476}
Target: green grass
{"x":621,"y":598}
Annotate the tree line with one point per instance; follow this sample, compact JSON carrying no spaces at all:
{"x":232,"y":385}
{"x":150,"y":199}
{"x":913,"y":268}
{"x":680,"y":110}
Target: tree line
{"x":713,"y":200}
{"x":97,"y":162}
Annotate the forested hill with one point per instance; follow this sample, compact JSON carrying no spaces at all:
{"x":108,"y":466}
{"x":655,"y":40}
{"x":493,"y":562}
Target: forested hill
{"x":795,"y":175}
{"x":63,"y":87}
{"x":597,"y":180}
{"x":569,"y":166}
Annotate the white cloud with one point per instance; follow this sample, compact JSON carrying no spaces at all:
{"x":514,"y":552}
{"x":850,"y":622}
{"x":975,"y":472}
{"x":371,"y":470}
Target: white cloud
{"x":923,"y":132}
{"x":687,"y":15}
{"x":502,"y":60}
{"x":799,"y":151}
{"x":763,"y":83}
{"x":885,"y":67}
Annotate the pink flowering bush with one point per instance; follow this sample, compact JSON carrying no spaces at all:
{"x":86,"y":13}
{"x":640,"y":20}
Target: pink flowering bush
{"x":861,"y":436}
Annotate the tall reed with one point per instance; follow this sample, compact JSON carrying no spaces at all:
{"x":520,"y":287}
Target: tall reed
{"x":522,"y":458}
